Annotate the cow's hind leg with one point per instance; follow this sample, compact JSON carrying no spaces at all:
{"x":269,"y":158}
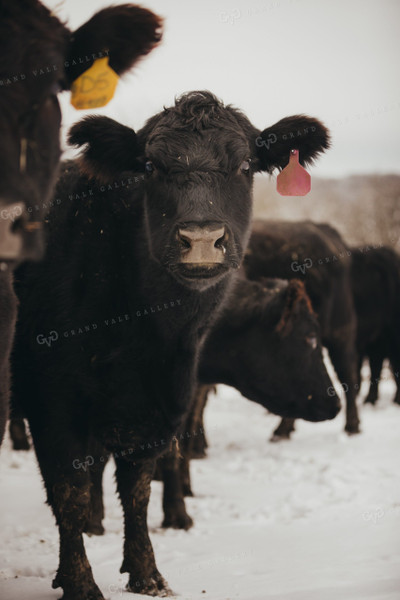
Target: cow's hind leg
{"x":94,"y":524}
{"x":283,"y":431}
{"x":375,"y":363}
{"x":199,"y":444}
{"x":18,"y":434}
{"x":184,"y":468}
{"x":344,"y":359}
{"x":395,"y":366}
{"x":175,"y":514}
{"x":133,"y":481}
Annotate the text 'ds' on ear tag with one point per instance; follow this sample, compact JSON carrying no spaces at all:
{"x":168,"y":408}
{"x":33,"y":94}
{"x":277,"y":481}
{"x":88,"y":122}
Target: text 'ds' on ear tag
{"x":294,"y":179}
{"x":95,"y":87}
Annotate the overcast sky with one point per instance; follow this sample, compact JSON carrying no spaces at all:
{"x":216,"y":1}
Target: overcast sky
{"x":338,"y":61}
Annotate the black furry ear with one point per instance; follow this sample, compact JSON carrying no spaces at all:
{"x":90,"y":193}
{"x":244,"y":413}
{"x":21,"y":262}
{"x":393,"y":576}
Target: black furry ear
{"x":297,"y":303}
{"x":123,"y":33}
{"x":306,"y":134}
{"x":110,"y":148}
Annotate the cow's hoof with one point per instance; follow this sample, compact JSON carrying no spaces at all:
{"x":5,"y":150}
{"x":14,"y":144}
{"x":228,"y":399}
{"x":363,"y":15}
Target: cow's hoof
{"x":178,"y":520}
{"x":154,"y":586}
{"x":279,"y":437}
{"x":187,"y":490}
{"x":352,"y":428}
{"x":198,"y":454}
{"x":369,"y":400}
{"x":94,"y":529}
{"x":86,"y":590}
{"x":21,"y":445}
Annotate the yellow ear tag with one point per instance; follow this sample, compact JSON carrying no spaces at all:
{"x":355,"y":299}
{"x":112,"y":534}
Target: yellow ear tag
{"x":95,"y":87}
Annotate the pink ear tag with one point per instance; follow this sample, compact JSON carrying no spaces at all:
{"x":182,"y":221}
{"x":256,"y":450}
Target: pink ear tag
{"x":293,"y":180}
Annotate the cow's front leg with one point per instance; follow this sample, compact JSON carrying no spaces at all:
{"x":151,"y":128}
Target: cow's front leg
{"x":133,"y":481}
{"x":64,"y":464}
{"x":71,"y":501}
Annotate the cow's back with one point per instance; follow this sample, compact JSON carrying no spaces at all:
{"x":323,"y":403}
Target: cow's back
{"x":313,"y":253}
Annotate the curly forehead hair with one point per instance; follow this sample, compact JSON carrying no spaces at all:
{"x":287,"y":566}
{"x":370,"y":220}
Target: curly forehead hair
{"x":199,"y":110}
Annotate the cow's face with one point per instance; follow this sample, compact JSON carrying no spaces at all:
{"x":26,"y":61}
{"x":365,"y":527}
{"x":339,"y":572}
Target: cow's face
{"x":198,"y":199}
{"x":39,"y":58}
{"x":198,"y":158}
{"x":278,"y":355}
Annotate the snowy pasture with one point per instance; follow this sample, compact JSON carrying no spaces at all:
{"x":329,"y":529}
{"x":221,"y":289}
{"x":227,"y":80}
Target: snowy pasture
{"x":316,"y":518}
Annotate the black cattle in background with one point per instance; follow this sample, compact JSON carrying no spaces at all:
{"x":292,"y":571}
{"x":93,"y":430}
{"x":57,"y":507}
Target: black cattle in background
{"x":376,"y":290}
{"x":317,"y":255}
{"x":40,"y":57}
{"x":150,"y":236}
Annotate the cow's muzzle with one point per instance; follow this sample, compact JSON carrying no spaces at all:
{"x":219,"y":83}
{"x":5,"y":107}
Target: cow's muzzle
{"x":202,"y":246}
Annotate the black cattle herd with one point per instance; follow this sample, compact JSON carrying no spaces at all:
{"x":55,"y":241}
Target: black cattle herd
{"x":152,"y":231}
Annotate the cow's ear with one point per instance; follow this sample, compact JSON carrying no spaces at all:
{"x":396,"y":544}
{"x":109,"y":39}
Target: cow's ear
{"x":123,"y":33}
{"x":297,"y":303}
{"x":273,"y":145}
{"x":109,"y":148}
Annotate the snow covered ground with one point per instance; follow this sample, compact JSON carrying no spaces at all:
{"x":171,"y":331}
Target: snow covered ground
{"x":316,"y":518}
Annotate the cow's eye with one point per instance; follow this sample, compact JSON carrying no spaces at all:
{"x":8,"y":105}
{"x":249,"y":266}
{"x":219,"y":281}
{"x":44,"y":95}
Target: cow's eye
{"x":245,"y":166}
{"x":149,"y":167}
{"x":312,"y":341}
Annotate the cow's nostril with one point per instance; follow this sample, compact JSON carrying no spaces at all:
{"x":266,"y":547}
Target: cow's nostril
{"x":221,"y":243}
{"x":18,"y":225}
{"x":183,"y":241}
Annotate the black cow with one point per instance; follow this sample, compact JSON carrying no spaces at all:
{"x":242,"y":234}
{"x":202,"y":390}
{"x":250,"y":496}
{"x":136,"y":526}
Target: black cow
{"x":113,"y":319}
{"x":317,"y":255}
{"x":376,"y":289}
{"x":39,"y":57}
